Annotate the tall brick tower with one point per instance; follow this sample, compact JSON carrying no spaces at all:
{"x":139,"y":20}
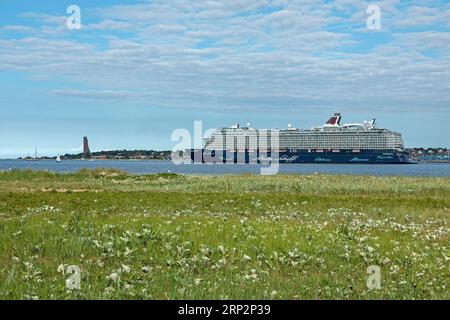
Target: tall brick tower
{"x":86,"y":151}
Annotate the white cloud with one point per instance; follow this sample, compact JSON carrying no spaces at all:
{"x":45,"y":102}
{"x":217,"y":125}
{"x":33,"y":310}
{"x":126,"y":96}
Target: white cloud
{"x":44,"y":18}
{"x":416,"y":16}
{"x":17,"y":28}
{"x":77,"y":149}
{"x":218,"y":54}
{"x":426,"y":40}
{"x":110,"y":25}
{"x":93,"y":94}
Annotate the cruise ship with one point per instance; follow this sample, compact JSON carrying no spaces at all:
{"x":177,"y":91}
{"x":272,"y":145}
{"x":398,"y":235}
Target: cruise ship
{"x":333,"y":142}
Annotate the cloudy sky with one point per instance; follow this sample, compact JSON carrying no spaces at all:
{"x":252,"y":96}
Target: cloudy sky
{"x":137,"y":70}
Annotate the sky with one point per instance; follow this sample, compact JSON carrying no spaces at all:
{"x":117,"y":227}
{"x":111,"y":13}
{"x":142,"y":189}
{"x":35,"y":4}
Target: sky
{"x":137,"y":70}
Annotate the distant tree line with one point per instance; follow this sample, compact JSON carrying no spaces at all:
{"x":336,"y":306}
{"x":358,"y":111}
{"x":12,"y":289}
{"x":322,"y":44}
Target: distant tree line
{"x":123,"y":154}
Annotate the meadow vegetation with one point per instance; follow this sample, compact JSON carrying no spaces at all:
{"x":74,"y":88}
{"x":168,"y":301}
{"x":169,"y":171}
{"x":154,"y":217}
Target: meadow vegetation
{"x":168,"y":236}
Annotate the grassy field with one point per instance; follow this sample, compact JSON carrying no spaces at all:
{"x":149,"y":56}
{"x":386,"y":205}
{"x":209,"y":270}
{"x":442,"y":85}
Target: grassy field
{"x":171,"y":236}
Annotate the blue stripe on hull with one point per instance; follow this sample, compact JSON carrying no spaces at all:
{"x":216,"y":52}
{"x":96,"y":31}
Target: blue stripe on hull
{"x":362,"y":157}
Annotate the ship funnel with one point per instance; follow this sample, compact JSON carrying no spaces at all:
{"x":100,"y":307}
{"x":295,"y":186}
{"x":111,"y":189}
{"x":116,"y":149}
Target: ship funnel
{"x":334,"y":120}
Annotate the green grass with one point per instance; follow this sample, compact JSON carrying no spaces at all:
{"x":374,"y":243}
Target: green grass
{"x":170,"y":236}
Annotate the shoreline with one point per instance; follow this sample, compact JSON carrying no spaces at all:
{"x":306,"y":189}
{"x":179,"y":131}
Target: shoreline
{"x":151,"y":160}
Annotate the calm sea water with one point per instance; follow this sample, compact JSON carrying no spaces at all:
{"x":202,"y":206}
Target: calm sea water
{"x":139,"y":167}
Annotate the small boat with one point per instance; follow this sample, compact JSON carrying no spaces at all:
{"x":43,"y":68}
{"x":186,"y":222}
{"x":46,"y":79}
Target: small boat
{"x":58,"y":158}
{"x":35,"y":155}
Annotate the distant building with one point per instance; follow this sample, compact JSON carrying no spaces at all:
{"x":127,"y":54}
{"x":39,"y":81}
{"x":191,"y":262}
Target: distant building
{"x":86,"y":150}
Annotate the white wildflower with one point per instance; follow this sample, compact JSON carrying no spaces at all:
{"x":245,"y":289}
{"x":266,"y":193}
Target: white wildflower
{"x":126,"y":268}
{"x":146,"y":269}
{"x":109,"y":290}
{"x":128,"y":286}
{"x":114,"y":277}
